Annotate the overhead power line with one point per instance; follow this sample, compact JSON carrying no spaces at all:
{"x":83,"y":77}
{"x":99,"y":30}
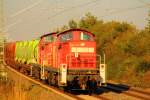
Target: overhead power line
{"x":77,"y":6}
{"x":73,"y":7}
{"x":124,"y":10}
{"x":26,"y":9}
{"x":20,"y":12}
{"x":144,"y":2}
{"x":37,"y":3}
{"x":11,"y":25}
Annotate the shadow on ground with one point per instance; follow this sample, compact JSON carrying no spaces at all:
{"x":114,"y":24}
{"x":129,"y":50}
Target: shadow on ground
{"x":109,"y":87}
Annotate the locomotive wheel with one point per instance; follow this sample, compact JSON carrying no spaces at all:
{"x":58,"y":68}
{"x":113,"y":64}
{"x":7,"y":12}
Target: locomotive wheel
{"x":36,"y":73}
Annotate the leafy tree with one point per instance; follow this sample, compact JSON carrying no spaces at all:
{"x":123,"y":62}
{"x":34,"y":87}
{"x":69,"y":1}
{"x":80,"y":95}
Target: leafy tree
{"x":87,"y":21}
{"x":72,"y":24}
{"x":65,"y":27}
{"x":148,"y":25}
{"x":127,"y":49}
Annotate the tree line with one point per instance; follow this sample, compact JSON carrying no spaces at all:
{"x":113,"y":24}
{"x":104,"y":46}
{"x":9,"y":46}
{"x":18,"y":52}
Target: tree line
{"x":127,"y":48}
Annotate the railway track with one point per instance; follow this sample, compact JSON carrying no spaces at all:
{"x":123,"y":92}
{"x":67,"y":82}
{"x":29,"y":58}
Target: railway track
{"x":53,"y":89}
{"x":56,"y":90}
{"x":140,"y":94}
{"x":117,"y":88}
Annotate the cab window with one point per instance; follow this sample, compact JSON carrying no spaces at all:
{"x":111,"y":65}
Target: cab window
{"x":85,"y":36}
{"x":49,"y":38}
{"x":66,"y":37}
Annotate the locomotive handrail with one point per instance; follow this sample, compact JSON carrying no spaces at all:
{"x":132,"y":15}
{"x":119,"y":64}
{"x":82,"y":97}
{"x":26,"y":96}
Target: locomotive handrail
{"x":102,"y":69}
{"x":34,"y":52}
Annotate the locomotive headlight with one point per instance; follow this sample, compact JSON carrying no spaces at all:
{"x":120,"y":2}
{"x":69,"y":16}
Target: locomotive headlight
{"x":82,"y":44}
{"x":91,"y":50}
{"x":82,"y":49}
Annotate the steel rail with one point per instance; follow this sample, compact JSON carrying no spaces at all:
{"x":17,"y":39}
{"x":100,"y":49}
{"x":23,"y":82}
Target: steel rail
{"x":130,"y":91}
{"x":57,"y":91}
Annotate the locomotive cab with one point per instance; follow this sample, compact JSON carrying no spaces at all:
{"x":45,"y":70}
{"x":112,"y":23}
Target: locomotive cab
{"x":46,"y":48}
{"x":77,"y":54}
{"x":77,"y":49}
{"x":47,"y":53}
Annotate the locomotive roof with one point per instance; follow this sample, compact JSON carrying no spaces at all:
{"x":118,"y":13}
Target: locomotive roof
{"x":75,"y":30}
{"x":66,"y":31}
{"x":48,"y":34}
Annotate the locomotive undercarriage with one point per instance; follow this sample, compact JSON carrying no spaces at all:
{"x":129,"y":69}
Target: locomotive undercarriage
{"x":52,"y":77}
{"x":76,"y":79}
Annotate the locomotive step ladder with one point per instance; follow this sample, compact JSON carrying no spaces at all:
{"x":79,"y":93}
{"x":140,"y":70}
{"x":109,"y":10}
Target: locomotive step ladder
{"x":102,"y":69}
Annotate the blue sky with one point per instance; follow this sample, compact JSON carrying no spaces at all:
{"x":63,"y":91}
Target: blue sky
{"x":28,"y":19}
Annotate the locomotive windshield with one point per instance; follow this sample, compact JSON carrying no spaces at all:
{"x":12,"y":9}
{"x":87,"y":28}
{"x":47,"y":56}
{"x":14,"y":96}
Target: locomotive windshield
{"x":66,"y":37}
{"x":85,"y":36}
{"x":49,"y":38}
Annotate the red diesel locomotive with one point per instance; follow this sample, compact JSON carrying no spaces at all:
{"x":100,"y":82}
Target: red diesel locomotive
{"x":58,"y":58}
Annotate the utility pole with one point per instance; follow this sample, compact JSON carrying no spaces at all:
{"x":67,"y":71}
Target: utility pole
{"x":3,"y":73}
{"x":1,"y":33}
